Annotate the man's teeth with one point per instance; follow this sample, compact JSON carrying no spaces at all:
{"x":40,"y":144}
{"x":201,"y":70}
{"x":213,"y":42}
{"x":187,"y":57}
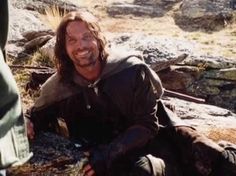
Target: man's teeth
{"x":82,"y":53}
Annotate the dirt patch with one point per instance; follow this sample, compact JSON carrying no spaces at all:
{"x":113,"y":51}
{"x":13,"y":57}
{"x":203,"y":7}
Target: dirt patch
{"x":222,"y":134}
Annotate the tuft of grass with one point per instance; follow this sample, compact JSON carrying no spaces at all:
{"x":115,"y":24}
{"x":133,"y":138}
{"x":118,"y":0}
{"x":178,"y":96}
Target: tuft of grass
{"x":208,"y":42}
{"x":229,"y":52}
{"x":22,"y":77}
{"x":233,"y":33}
{"x":40,"y":59}
{"x":53,"y":16}
{"x":196,"y":36}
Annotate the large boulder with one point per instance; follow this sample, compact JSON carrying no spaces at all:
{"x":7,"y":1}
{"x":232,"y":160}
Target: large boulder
{"x":134,"y":9}
{"x":208,"y":77}
{"x":153,"y":8}
{"x":41,"y":5}
{"x":204,"y":14}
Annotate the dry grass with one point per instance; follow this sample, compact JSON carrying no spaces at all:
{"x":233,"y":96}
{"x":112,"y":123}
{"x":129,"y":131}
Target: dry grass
{"x":22,"y":76}
{"x":52,"y":17}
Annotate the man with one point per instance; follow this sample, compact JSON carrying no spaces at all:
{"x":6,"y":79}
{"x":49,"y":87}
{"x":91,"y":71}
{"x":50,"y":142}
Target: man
{"x":111,"y":102}
{"x":14,"y":147}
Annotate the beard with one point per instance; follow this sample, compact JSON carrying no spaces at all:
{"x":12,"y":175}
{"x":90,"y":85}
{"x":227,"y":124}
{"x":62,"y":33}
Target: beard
{"x":86,"y":62}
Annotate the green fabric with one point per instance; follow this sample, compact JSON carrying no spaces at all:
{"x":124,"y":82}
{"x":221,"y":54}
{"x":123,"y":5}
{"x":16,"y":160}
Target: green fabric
{"x":4,"y":23}
{"x":14,"y":147}
{"x":10,"y":107}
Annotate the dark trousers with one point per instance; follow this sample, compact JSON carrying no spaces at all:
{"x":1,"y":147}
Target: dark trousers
{"x":156,"y":159}
{"x":175,"y":151}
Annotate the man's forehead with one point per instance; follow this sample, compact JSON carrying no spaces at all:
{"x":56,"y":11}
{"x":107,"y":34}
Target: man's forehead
{"x":78,"y":27}
{"x":70,"y":33}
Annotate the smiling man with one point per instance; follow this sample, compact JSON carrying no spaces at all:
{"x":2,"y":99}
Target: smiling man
{"x":83,"y":49}
{"x":110,"y":100}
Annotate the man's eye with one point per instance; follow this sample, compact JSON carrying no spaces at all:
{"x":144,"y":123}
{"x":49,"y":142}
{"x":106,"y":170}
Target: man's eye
{"x":71,"y":40}
{"x":87,"y":37}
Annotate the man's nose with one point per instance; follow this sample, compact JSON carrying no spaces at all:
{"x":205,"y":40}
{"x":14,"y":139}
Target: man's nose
{"x":80,"y":44}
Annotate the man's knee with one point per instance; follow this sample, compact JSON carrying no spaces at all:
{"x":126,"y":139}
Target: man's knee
{"x":227,"y":162}
{"x":148,"y":166}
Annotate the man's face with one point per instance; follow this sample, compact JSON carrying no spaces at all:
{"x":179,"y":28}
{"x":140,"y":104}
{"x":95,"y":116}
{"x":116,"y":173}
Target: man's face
{"x":81,"y":46}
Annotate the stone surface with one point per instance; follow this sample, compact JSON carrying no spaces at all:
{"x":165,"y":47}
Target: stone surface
{"x":222,"y":74}
{"x":209,"y":62}
{"x":203,"y":116}
{"x":22,"y":21}
{"x":155,"y":50}
{"x":52,"y":155}
{"x":204,"y":14}
{"x":41,"y":5}
{"x":138,"y":10}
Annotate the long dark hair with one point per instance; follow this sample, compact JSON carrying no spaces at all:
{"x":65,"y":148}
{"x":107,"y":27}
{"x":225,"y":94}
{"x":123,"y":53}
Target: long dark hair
{"x":64,"y":64}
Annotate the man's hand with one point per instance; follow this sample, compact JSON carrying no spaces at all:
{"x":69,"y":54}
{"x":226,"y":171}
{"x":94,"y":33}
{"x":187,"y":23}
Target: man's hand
{"x":88,"y":170}
{"x":30,"y":129}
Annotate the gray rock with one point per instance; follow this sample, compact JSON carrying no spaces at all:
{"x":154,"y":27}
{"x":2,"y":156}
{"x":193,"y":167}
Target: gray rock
{"x":155,"y":50}
{"x":202,"y":116}
{"x":138,"y":10}
{"x":22,"y":21}
{"x":48,"y":48}
{"x":204,"y":14}
{"x":223,"y":74}
{"x":209,"y":62}
{"x":41,"y":5}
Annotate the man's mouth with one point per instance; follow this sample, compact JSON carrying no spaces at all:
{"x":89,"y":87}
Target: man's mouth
{"x":82,"y":54}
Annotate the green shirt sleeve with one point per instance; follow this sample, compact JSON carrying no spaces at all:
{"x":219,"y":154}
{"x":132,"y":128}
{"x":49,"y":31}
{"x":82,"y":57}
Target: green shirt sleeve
{"x":4,"y":23}
{"x":10,"y":106}
{"x":14,"y":146}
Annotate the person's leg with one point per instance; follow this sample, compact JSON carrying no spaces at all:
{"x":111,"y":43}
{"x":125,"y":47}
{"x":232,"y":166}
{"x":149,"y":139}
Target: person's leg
{"x":161,"y":147}
{"x":138,"y":166}
{"x":197,"y":152}
{"x":227,"y":161}
{"x":148,"y":166}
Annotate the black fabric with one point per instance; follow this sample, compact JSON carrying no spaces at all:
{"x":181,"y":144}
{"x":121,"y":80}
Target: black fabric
{"x":97,"y":160}
{"x":107,"y":113}
{"x":143,"y":167}
{"x":4,"y":23}
{"x":198,"y":154}
{"x":227,"y":163}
